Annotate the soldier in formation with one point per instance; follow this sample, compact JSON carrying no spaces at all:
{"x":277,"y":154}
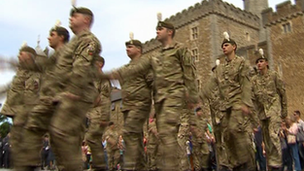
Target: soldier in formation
{"x":270,"y":100}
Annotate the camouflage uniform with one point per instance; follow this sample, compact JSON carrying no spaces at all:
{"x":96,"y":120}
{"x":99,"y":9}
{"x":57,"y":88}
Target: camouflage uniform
{"x":99,"y":116}
{"x":184,"y":136}
{"x":270,"y":101}
{"x":152,"y":145}
{"x":174,"y":73}
{"x":200,"y":146}
{"x":136,"y":105}
{"x":31,"y":97}
{"x":74,"y":72}
{"x":111,"y":136}
{"x":231,"y":77}
{"x":216,"y":117}
{"x":15,"y":96}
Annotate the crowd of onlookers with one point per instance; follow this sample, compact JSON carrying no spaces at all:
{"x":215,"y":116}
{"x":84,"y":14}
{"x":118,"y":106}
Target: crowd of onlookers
{"x":291,"y":137}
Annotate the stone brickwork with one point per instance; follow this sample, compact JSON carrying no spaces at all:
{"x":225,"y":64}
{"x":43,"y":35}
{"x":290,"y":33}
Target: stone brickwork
{"x":285,"y":30}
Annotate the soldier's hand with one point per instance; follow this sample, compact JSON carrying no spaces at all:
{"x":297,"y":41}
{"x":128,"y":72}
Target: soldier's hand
{"x":103,"y":123}
{"x":71,"y":96}
{"x":245,"y":109}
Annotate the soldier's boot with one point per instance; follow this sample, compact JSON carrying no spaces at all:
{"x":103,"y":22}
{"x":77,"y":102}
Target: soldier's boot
{"x":100,"y":169}
{"x":224,"y":168}
{"x":274,"y":169}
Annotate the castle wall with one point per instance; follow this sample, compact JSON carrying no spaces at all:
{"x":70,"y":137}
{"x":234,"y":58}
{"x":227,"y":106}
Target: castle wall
{"x":287,"y":49}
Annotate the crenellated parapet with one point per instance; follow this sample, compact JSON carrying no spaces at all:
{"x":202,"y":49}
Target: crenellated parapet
{"x":204,"y":9}
{"x":284,"y":11}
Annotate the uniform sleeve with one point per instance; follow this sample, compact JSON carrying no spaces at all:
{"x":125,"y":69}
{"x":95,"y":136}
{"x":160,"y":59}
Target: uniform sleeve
{"x":83,"y":64}
{"x":105,"y":93}
{"x":189,"y":75}
{"x":282,"y":93}
{"x":245,"y":83}
{"x":143,"y":65}
{"x":149,"y":79}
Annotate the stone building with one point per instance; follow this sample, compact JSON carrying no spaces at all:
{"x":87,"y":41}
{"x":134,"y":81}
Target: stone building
{"x":280,"y":34}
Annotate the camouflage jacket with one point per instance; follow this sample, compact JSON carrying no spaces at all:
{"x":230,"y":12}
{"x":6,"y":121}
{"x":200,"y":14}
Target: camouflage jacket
{"x":112,"y":139}
{"x":269,"y":95}
{"x":173,"y":71}
{"x":102,"y":104}
{"x":136,"y":89}
{"x":15,"y":95}
{"x":232,"y":79}
{"x":32,"y":87}
{"x":76,"y":66}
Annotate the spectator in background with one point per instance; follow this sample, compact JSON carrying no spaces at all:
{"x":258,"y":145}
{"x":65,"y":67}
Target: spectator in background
{"x":300,"y":135}
{"x":260,"y":158}
{"x":291,"y":139}
{"x":6,"y":151}
{"x":286,"y":152}
{"x":45,"y":151}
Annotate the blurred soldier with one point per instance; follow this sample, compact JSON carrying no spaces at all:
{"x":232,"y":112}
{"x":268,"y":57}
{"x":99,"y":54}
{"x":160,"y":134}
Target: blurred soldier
{"x":111,"y":136}
{"x":200,"y":145}
{"x":152,"y":144}
{"x":58,"y":36}
{"x":136,"y":105}
{"x":182,"y":138}
{"x":15,"y":97}
{"x":74,"y":71}
{"x":174,"y":82}
{"x":216,"y":118}
{"x":232,"y":80}
{"x":270,"y":100}
{"x":99,"y":116}
{"x":27,"y":98}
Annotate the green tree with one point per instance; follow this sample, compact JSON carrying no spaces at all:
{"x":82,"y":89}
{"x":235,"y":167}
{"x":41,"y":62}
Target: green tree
{"x":5,"y":128}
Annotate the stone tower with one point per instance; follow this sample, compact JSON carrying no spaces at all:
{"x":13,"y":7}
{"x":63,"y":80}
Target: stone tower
{"x":256,"y":7}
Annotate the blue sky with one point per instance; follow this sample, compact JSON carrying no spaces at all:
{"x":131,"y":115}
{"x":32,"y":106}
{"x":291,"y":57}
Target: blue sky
{"x":24,"y":20}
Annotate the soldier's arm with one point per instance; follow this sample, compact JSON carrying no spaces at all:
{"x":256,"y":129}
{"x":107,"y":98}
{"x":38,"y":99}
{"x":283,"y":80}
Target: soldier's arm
{"x":106,"y":90}
{"x":246,"y":84}
{"x":189,"y":75}
{"x":280,"y":85}
{"x":143,"y":64}
{"x":206,"y":92}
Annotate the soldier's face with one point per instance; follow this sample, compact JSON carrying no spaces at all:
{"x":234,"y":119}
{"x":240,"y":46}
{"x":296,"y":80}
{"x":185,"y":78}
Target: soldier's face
{"x":23,"y":56}
{"x":262,"y":64}
{"x":162,"y":33}
{"x":228,"y":48}
{"x":132,"y":51}
{"x":77,"y":20}
{"x":54,"y":39}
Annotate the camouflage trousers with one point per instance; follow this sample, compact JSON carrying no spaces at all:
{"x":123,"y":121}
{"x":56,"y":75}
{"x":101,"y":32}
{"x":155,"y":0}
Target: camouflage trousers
{"x":167,"y":122}
{"x":182,"y":138}
{"x":113,"y":158}
{"x":152,"y":152}
{"x":16,"y":137}
{"x":134,"y":156}
{"x":200,"y":155}
{"x":65,"y":125}
{"x":94,"y":138}
{"x":236,"y":141}
{"x":183,"y":156}
{"x":270,"y":130}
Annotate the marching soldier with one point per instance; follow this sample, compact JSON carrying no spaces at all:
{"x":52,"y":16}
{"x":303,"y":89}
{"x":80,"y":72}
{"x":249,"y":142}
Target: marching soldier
{"x":199,"y":141}
{"x":174,"y":82}
{"x":99,"y":116}
{"x":152,"y":144}
{"x":26,"y":85}
{"x":270,"y":100}
{"x":184,"y":136}
{"x":111,"y":136}
{"x":74,"y":72}
{"x":136,"y":105}
{"x":232,"y":80}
